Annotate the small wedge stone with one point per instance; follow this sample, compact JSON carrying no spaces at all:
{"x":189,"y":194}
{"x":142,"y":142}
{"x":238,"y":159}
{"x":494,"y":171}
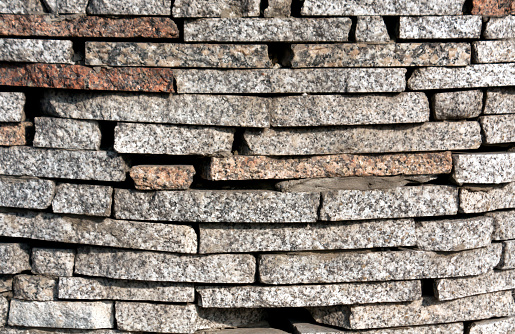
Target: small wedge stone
{"x":494,"y":51}
{"x":508,"y":255}
{"x":500,"y":27}
{"x":83,"y":199}
{"x":6,"y":283}
{"x":53,"y":262}
{"x":498,"y":129}
{"x":159,"y":177}
{"x":371,"y":29}
{"x":14,"y":134}
{"x":500,"y":101}
{"x":278,"y":8}
{"x":26,"y":193}
{"x":36,"y":51}
{"x":11,"y":107}
{"x":216,"y":8}
{"x":67,"y":134}
{"x":14,"y":258}
{"x":440,"y":27}
{"x":474,"y":200}
{"x":30,"y":287}
{"x":458,"y":105}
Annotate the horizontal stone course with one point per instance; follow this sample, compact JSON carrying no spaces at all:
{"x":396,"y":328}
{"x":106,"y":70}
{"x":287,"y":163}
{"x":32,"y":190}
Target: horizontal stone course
{"x":15,"y":258}
{"x":161,"y":177}
{"x":494,"y":51}
{"x":52,"y":262}
{"x":475,"y":200}
{"x":500,"y":28}
{"x":440,"y":27}
{"x":500,"y":101}
{"x":67,"y":134}
{"x":135,"y":7}
{"x":15,"y":134}
{"x":36,"y":51}
{"x":498,"y":129}
{"x":11,"y":105}
{"x":26,"y":193}
{"x":458,"y":105}
{"x":484,"y":168}
{"x":83,"y":199}
{"x":216,"y":8}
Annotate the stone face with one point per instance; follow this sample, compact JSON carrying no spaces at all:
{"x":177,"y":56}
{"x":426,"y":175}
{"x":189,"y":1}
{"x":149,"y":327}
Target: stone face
{"x":431,"y":136}
{"x":342,"y":80}
{"x":83,"y":199}
{"x":11,"y":106}
{"x":172,"y":140}
{"x":66,"y":133}
{"x":15,"y":258}
{"x":27,"y":193}
{"x":59,"y":314}
{"x":474,"y":200}
{"x":6,"y":283}
{"x":500,"y":101}
{"x":21,"y":7}
{"x":278,"y":8}
{"x":217,"y":206}
{"x":4,"y":309}
{"x":493,"y":7}
{"x":82,"y":165}
{"x":164,"y":267}
{"x":307,"y":328}
{"x":508,"y":255}
{"x":67,"y":6}
{"x":458,"y":105}
{"x":30,"y":287}
{"x":268,"y":30}
{"x":100,"y":232}
{"x":14,"y":134}
{"x":380,"y":55}
{"x":245,"y":238}
{"x":500,"y":28}
{"x":265,"y":330}
{"x":371,"y":29}
{"x":53,"y":262}
{"x":504,"y":224}
{"x":156,"y":177}
{"x":498,"y":128}
{"x":440,"y":27}
{"x":216,"y":8}
{"x":494,"y":51}
{"x":107,"y":289}
{"x":485,"y":168}
{"x":306,"y":268}
{"x":500,"y":326}
{"x":482,"y":75}
{"x":135,"y":7}
{"x":36,"y":51}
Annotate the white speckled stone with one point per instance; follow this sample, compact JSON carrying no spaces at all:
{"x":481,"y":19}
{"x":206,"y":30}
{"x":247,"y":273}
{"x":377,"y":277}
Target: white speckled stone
{"x":371,"y":29}
{"x":498,"y":129}
{"x":21,"y":7}
{"x":484,"y":168}
{"x":458,"y":105}
{"x":474,"y":200}
{"x":500,"y":101}
{"x":67,"y":6}
{"x":134,"y":7}
{"x":83,"y":199}
{"x":66,"y":133}
{"x":494,"y":51}
{"x":26,"y":193}
{"x":36,"y":51}
{"x":500,"y":27}
{"x":52,"y":262}
{"x":33,"y":287}
{"x":11,"y":107}
{"x":508,"y":255}
{"x":504,"y":224}
{"x":497,"y":326}
{"x":306,"y":328}
{"x":216,"y":8}
{"x":440,"y":27}
{"x":14,"y":258}
{"x":4,"y":309}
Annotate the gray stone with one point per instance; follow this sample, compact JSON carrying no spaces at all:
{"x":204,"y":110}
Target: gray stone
{"x":508,"y":255}
{"x":216,"y":8}
{"x":14,"y":330}
{"x":481,"y":75}
{"x":223,"y":110}
{"x":30,"y":287}
{"x":67,"y":134}
{"x":245,"y":238}
{"x":11,"y":106}
{"x":214,"y":318}
{"x":100,"y":232}
{"x":498,"y":326}
{"x":458,"y":105}
{"x":83,"y":199}
{"x":301,"y":327}
{"x":4,"y":309}
{"x":371,"y":29}
{"x":268,"y":30}
{"x":380,"y":55}
{"x":171,"y":139}
{"x":21,"y":7}
{"x":307,"y":268}
{"x":67,"y":6}
{"x":340,"y":80}
{"x":27,"y":193}
{"x":484,"y":168}
{"x":308,"y":295}
{"x":82,"y":165}
{"x":440,"y":27}
{"x":278,"y":8}
{"x":498,"y":129}
{"x":107,"y":289}
{"x":265,"y":330}
{"x":59,"y":314}
{"x":504,"y":224}
{"x":15,"y":258}
{"x":500,"y":101}
{"x":165,"y":267}
{"x":474,"y":200}
{"x":53,"y":262}
{"x":135,"y":7}
{"x":36,"y":51}
{"x":6,"y":283}
{"x":500,"y":27}
{"x":494,"y":51}
{"x":431,"y":136}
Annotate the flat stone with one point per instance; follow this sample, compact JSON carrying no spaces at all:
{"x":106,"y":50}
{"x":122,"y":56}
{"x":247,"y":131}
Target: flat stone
{"x":327,"y":80}
{"x":278,"y":8}
{"x":100,"y":232}
{"x":482,"y":75}
{"x":498,"y":129}
{"x":87,"y":26}
{"x":14,"y":134}
{"x":494,"y":51}
{"x":306,"y":328}
{"x":484,"y":168}
{"x":107,"y":289}
{"x":474,"y":200}
{"x":268,"y":30}
{"x":26,"y":193}
{"x":172,"y":177}
{"x":135,"y":7}
{"x":14,"y":330}
{"x":504,"y":224}
{"x":63,"y":76}
{"x":500,"y":101}
{"x":264,"y":330}
{"x":216,"y":8}
{"x":172,"y":140}
{"x":15,"y":258}
{"x":371,"y":29}
{"x":508,"y":255}
{"x":499,"y":326}
{"x":60,"y":314}
{"x":30,"y":287}
{"x":500,"y":28}
{"x":11,"y":106}
{"x":430,"y":136}
{"x":458,"y":105}
{"x":440,"y":27}
{"x":308,"y":268}
{"x":83,"y":199}
{"x":36,"y":51}
{"x":177,"y":55}
{"x":255,"y":206}
{"x":67,"y":6}
{"x":6,"y":283}
{"x":53,"y":262}
{"x":165,"y":267}
{"x":67,"y":133}
{"x":21,"y":7}
{"x":380,"y":55}
{"x":213,"y":318}
{"x":493,"y":7}
{"x":223,"y":110}
{"x":81,"y":165}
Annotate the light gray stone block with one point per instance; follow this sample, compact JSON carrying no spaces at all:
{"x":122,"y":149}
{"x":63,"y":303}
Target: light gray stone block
{"x":4,"y":310}
{"x":301,"y":327}
{"x":371,"y":29}
{"x":508,"y":255}
{"x":52,"y":262}
{"x":11,"y":107}
{"x":500,"y":27}
{"x":67,"y":6}
{"x":83,"y":199}
{"x":30,"y":287}
{"x":498,"y":129}
{"x":494,"y":51}
{"x":216,"y":8}
{"x":500,"y":101}
{"x":67,"y":133}
{"x":475,"y":200}
{"x":504,"y":224}
{"x":135,"y":7}
{"x":15,"y":330}
{"x":15,"y":258}
{"x":278,"y":8}
{"x":36,"y":51}
{"x":6,"y":283}
{"x":440,"y":27}
{"x":21,"y":7}
{"x":26,"y":193}
{"x":458,"y":105}
{"x":498,"y":326}
{"x":484,"y":168}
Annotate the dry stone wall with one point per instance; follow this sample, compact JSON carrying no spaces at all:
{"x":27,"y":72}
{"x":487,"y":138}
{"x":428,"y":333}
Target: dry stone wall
{"x":257,"y":167}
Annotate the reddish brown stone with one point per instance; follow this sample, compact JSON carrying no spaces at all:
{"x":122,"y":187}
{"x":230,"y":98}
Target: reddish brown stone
{"x":162,"y":177}
{"x":134,"y":79}
{"x":493,"y":7}
{"x":87,"y":26}
{"x":14,"y":134}
{"x":260,"y":167}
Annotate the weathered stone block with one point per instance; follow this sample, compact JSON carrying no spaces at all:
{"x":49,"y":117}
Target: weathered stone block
{"x":135,"y":7}
{"x":14,"y":134}
{"x":278,"y":8}
{"x":504,"y":224}
{"x":83,"y":199}
{"x":440,"y":27}
{"x":19,"y":330}
{"x":30,"y":287}
{"x":264,"y":330}
{"x":307,"y":328}
{"x":494,"y":51}
{"x":498,"y":128}
{"x":26,"y":193}
{"x":6,"y":283}
{"x":36,"y":51}
{"x":371,"y":29}
{"x":4,"y":309}
{"x":67,"y":133}
{"x":485,"y":168}
{"x":508,"y":255}
{"x":216,"y":8}
{"x":67,"y":6}
{"x":53,"y":262}
{"x":500,"y":101}
{"x":15,"y":258}
{"x":500,"y":28}
{"x":11,"y":106}
{"x":474,"y":200}
{"x":493,"y":7}
{"x":158,"y":177}
{"x":458,"y":105}
{"x":21,"y":7}
{"x":499,"y":326}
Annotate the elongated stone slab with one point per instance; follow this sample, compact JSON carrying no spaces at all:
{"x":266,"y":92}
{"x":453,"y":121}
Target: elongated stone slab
{"x":82,"y":165}
{"x":485,"y":168}
{"x":481,"y":75}
{"x":500,"y":101}
{"x":52,"y":262}
{"x":493,"y":7}
{"x":308,"y":295}
{"x":36,"y":51}
{"x":499,"y":326}
{"x":508,"y":255}
{"x":504,"y":224}
{"x":83,"y":199}
{"x":14,"y":134}
{"x":307,"y":268}
{"x":494,"y":51}
{"x":172,"y":140}
{"x":216,"y":8}
{"x":245,"y":238}
{"x":32,"y":287}
{"x":104,"y":232}
{"x":268,"y":30}
{"x":21,"y":7}
{"x":500,"y":27}
{"x":67,"y":133}
{"x":165,"y":267}
{"x":458,"y":105}
{"x":307,"y":328}
{"x":14,"y":258}
{"x":135,"y":7}
{"x":371,"y":29}
{"x":107,"y":289}
{"x":381,"y":55}
{"x":440,"y":27}
{"x":11,"y":106}
{"x":498,"y":129}
{"x":342,"y":80}
{"x":430,"y":136}
{"x":474,"y":200}
{"x":26,"y":193}
{"x":159,"y":177}
{"x":59,"y":314}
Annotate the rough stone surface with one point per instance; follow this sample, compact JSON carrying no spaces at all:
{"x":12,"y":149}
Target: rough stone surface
{"x":498,"y":326}
{"x":504,"y":224}
{"x":30,"y":287}
{"x":485,"y":168}
{"x":498,"y":128}
{"x":256,"y":206}
{"x":371,"y":29}
{"x":500,"y":28}
{"x":21,"y":7}
{"x":15,"y":258}
{"x":14,"y":134}
{"x":6,"y":283}
{"x":67,"y":133}
{"x":82,"y":165}
{"x":172,"y":140}
{"x":305,"y":268}
{"x":440,"y":27}
{"x":4,"y":309}
{"x":151,"y":266}
{"x":27,"y":193}
{"x":265,"y":330}
{"x":493,"y":7}
{"x":508,"y":255}
{"x":67,"y":6}
{"x":11,"y":106}
{"x":107,"y":289}
{"x":59,"y":314}
{"x":474,"y":200}
{"x":342,"y":80}
{"x":14,"y":330}
{"x":494,"y":51}
{"x":306,"y":328}
{"x":500,"y":101}
{"x":458,"y":105}
{"x":147,"y":177}
{"x":268,"y":30}
{"x":53,"y":262}
{"x":216,"y":8}
{"x":431,"y":136}
{"x":36,"y":50}
{"x":100,"y":232}
{"x":135,"y":7}
{"x":83,"y":199}
{"x":209,"y":319}
{"x":278,"y":8}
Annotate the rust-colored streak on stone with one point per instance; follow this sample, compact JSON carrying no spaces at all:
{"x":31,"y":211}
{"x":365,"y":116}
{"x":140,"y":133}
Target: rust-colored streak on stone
{"x":162,"y":177}
{"x":63,"y":76}
{"x":342,"y":165}
{"x":14,"y":134}
{"x":87,"y":26}
{"x":493,"y":7}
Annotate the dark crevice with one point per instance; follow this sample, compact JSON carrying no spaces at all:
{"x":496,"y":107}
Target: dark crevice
{"x":428,"y":287}
{"x":280,"y":53}
{"x":107,"y":130}
{"x":79,"y":51}
{"x":280,"y":317}
{"x":263,"y":6}
{"x":467,"y":7}
{"x":392,"y":26}
{"x":296,"y":8}
{"x":353,"y":27}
